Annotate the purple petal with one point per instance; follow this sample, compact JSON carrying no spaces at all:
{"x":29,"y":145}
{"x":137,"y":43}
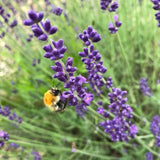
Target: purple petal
{"x":28,"y":22}
{"x":48,"y":48}
{"x":43,"y":37}
{"x":53,"y":30}
{"x":32,"y":15}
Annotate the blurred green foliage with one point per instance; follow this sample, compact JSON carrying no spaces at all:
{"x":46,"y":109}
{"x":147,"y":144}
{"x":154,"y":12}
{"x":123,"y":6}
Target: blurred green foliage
{"x":129,"y":55}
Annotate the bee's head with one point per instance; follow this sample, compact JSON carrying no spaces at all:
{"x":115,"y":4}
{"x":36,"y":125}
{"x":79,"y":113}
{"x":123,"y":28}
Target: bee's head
{"x":55,"y":91}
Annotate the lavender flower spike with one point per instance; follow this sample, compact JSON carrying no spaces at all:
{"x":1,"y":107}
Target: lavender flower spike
{"x":114,"y":28}
{"x":57,"y":52}
{"x":155,"y":129}
{"x":3,"y":137}
{"x":89,"y":35}
{"x":149,"y":156}
{"x":33,"y":18}
{"x":144,"y":87}
{"x":57,"y":11}
{"x":120,"y":128}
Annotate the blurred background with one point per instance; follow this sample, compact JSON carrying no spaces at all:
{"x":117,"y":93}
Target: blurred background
{"x":25,"y":75}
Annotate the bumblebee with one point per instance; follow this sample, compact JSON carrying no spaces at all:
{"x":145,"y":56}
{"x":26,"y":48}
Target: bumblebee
{"x":52,"y":100}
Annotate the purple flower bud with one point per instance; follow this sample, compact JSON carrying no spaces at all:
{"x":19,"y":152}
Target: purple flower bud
{"x":13,"y":24}
{"x":43,"y":37}
{"x":47,"y":54}
{"x":88,"y":98}
{"x":48,"y":48}
{"x":32,"y":15}
{"x":1,"y":143}
{"x":2,"y":133}
{"x":28,"y":22}
{"x":37,"y":30}
{"x":53,"y":30}
{"x":58,"y":67}
{"x":57,"y":11}
{"x":149,"y":156}
{"x":47,"y":25}
{"x":58,"y":44}
{"x":40,"y":16}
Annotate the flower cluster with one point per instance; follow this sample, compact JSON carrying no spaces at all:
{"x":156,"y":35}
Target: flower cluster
{"x":57,"y":52}
{"x":109,"y":4}
{"x":109,"y":82}
{"x":5,"y":111}
{"x":57,"y":11}
{"x":157,"y":7}
{"x":40,"y":29}
{"x":89,"y":35}
{"x":149,"y":156}
{"x":14,"y":145}
{"x":120,"y":128}
{"x":92,"y":59}
{"x":112,"y":7}
{"x":144,"y":87}
{"x":36,"y":155}
{"x":155,"y":129}
{"x":3,"y":137}
{"x":6,"y":17}
{"x":113,"y":28}
{"x":76,"y":95}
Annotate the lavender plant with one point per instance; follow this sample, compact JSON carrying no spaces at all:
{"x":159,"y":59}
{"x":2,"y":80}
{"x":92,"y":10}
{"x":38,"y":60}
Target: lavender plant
{"x":112,"y":6}
{"x":115,"y":115}
{"x":3,"y":137}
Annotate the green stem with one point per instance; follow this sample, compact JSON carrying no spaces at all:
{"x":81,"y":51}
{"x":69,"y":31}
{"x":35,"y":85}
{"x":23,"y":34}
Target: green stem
{"x":146,"y":146}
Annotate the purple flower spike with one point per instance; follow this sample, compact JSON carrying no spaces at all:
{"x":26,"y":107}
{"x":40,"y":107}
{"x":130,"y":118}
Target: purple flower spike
{"x":109,"y":4}
{"x":94,"y":65}
{"x":3,"y":137}
{"x":5,"y":111}
{"x":155,"y":129}
{"x":1,"y":143}
{"x":36,"y":155}
{"x":113,"y":29}
{"x":109,"y":83}
{"x":120,"y":127}
{"x":57,"y":52}
{"x":14,"y":145}
{"x":133,"y":129}
{"x":104,"y":4}
{"x":113,"y":6}
{"x":89,"y":35}
{"x":69,"y":67}
{"x":157,"y":7}
{"x":48,"y":28}
{"x":149,"y":156}
{"x":58,"y":67}
{"x":57,"y":11}
{"x":144,"y":87}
